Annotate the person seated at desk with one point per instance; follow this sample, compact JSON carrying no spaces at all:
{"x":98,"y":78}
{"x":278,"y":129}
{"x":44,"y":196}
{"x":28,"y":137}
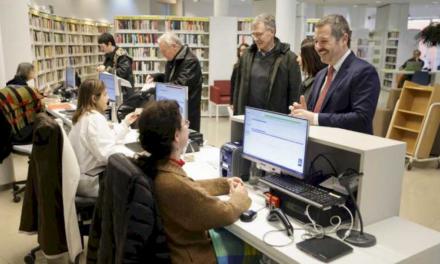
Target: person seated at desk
{"x":91,"y":136}
{"x":19,"y":105}
{"x":412,"y":64}
{"x":188,"y":208}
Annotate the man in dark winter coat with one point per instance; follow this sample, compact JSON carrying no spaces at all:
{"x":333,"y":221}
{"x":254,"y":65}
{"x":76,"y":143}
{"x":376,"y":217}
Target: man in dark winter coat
{"x":116,"y":60}
{"x":182,"y":68}
{"x":269,"y":76}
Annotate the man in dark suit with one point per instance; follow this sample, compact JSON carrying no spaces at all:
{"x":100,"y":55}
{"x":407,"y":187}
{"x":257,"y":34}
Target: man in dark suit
{"x":345,"y":93}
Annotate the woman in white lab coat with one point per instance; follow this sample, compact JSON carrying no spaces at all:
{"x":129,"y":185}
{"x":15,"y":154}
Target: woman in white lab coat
{"x":92,"y":138}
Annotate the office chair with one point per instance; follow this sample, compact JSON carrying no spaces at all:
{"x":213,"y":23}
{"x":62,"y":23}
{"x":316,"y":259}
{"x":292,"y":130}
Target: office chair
{"x":421,"y":77}
{"x":16,"y":190}
{"x":51,"y":194}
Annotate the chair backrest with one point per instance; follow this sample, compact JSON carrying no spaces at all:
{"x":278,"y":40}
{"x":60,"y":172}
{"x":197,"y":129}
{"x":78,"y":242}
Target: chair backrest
{"x":43,"y":196}
{"x":131,"y":230}
{"x":224,"y":86}
{"x":20,"y":105}
{"x":421,"y":77}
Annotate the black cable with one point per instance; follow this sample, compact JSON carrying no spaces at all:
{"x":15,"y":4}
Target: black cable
{"x":346,"y":184}
{"x":325,"y":158}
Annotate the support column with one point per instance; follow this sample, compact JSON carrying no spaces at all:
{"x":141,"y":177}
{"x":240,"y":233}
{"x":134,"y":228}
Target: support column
{"x":286,"y":20}
{"x":221,"y":7}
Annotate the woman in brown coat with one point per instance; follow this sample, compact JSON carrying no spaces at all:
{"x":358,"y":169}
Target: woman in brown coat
{"x":188,"y":208}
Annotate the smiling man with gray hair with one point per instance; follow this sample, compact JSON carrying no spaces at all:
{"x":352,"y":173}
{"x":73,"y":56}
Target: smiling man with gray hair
{"x":268,"y":76}
{"x":182,"y":68}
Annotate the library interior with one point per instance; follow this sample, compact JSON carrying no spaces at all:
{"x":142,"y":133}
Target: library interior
{"x":219,"y":131}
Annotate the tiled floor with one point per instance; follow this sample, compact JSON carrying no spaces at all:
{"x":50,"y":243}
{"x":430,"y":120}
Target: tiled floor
{"x":420,"y":199}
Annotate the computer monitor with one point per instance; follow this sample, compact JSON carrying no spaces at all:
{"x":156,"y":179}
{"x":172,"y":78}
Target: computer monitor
{"x":165,"y":91}
{"x":110,"y":83}
{"x":70,"y":77}
{"x":278,"y":142}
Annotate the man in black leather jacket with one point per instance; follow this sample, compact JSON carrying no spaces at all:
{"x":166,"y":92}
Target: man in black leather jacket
{"x":117,"y":60}
{"x":182,"y":68}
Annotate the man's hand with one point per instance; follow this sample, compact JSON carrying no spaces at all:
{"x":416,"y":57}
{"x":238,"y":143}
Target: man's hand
{"x":149,"y":79}
{"x":234,"y":181}
{"x":301,"y":105}
{"x":301,"y":113}
{"x":100,"y":68}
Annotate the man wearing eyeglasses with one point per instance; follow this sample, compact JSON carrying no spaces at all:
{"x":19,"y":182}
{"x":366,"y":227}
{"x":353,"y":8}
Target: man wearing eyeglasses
{"x":268,"y":76}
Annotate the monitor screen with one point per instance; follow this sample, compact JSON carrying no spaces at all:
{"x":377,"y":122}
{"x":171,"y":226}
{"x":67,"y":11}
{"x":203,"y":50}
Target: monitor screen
{"x":276,"y":140}
{"x":70,"y":77}
{"x":165,"y":91}
{"x":110,"y":84}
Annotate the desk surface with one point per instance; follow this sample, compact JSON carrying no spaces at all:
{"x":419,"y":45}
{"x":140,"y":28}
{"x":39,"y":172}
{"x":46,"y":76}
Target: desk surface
{"x":398,"y":240}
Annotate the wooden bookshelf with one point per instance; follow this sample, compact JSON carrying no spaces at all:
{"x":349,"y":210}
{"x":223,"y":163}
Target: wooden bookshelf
{"x":58,"y":42}
{"x":244,"y":31}
{"x":139,"y":35}
{"x":411,"y":114}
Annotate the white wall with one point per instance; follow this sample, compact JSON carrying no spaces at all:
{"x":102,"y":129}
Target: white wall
{"x":15,"y":41}
{"x":96,"y":9}
{"x":263,"y":6}
{"x":424,"y":10}
{"x":3,"y":79}
{"x":198,"y":9}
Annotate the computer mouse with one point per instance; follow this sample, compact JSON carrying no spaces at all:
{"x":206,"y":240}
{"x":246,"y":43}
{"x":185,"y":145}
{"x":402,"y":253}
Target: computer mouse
{"x":248,"y":216}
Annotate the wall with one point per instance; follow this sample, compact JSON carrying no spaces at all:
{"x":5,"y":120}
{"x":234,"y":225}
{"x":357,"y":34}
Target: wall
{"x":15,"y":39}
{"x":424,"y":10}
{"x":96,"y":9}
{"x":3,"y":79}
{"x":263,"y":6}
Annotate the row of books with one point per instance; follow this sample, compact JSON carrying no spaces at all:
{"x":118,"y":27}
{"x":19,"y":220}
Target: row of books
{"x":244,"y":39}
{"x":244,"y":26}
{"x":39,"y":36}
{"x":74,"y":61}
{"x":146,"y":65}
{"x":136,"y":38}
{"x":137,"y":24}
{"x":90,"y":59}
{"x":143,"y":52}
{"x":187,"y":25}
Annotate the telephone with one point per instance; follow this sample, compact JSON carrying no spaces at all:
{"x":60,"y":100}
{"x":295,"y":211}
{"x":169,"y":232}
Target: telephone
{"x":276,"y":214}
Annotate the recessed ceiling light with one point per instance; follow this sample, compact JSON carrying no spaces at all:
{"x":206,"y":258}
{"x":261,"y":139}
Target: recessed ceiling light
{"x":435,"y":2}
{"x":378,"y":2}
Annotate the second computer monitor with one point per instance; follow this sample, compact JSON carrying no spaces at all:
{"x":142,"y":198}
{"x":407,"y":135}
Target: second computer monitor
{"x":70,"y":77}
{"x":110,"y":83}
{"x":276,"y":140}
{"x":165,"y":91}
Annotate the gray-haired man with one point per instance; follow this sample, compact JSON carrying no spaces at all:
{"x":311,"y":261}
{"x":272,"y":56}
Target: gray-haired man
{"x":268,"y":76}
{"x":182,"y":68}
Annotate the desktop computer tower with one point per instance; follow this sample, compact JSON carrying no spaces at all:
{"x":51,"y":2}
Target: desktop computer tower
{"x":297,"y":210}
{"x":232,"y":163}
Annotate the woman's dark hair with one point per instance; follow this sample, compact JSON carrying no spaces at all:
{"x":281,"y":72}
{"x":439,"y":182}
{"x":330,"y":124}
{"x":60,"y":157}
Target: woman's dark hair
{"x":158,"y":124}
{"x":86,"y":91}
{"x":239,"y":48}
{"x":311,"y":62}
{"x":105,"y":38}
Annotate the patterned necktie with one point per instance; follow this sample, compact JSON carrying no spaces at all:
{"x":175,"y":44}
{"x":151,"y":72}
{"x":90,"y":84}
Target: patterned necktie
{"x":324,"y":91}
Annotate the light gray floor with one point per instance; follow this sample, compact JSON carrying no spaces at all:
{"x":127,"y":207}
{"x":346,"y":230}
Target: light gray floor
{"x":420,"y":198}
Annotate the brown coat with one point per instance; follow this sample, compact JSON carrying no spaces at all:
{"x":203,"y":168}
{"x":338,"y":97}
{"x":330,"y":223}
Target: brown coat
{"x":189,"y":208}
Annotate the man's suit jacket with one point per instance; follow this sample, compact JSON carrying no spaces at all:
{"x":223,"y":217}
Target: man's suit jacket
{"x":352,"y":97}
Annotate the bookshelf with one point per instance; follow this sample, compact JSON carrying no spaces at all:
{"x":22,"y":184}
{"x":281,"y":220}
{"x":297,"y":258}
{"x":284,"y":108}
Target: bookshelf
{"x":58,"y":42}
{"x":310,"y":26}
{"x":390,"y":59}
{"x":244,"y":31}
{"x":361,"y":48}
{"x":139,"y":35}
{"x":411,"y":115}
